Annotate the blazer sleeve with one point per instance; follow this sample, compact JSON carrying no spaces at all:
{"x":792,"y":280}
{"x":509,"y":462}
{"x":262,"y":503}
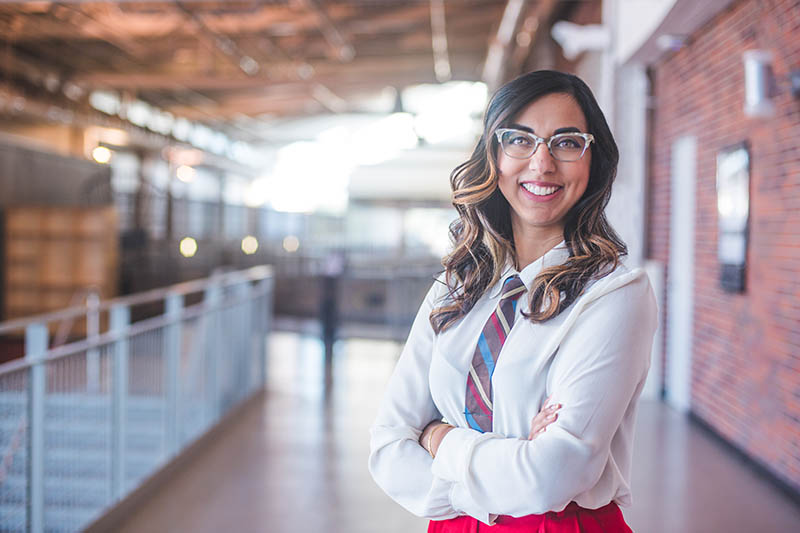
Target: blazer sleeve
{"x":397,"y":462}
{"x":597,"y":373}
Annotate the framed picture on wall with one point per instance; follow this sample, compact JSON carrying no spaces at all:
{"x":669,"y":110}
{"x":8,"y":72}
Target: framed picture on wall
{"x":733,"y":213}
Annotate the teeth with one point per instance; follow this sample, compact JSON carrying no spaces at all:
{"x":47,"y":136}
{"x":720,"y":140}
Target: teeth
{"x":539,"y":191}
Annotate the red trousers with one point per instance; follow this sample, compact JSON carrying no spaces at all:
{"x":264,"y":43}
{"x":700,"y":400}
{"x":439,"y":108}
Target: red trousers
{"x":573,"y":519}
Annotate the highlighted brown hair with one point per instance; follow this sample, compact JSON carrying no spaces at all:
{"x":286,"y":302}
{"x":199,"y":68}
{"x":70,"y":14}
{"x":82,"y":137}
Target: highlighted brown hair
{"x":481,"y":235}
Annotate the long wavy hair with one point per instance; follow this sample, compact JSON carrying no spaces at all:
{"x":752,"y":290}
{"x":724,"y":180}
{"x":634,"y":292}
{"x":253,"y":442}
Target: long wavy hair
{"x":482,"y":239}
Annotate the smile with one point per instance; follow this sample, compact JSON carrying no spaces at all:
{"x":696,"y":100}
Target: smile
{"x":539,"y":191}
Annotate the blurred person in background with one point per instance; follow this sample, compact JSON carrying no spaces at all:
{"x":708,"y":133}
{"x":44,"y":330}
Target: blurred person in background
{"x":514,"y":399}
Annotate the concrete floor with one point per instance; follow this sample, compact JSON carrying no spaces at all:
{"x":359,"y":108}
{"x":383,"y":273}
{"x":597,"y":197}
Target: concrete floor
{"x":296,"y":462}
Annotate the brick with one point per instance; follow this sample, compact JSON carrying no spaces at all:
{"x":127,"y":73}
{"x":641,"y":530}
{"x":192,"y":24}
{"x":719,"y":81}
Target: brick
{"x":746,"y":347}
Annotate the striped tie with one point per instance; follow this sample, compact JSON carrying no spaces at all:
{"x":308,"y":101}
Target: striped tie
{"x":478,"y":410}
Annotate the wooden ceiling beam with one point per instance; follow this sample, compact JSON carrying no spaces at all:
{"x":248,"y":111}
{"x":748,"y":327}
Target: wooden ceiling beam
{"x":340,"y":48}
{"x":291,"y":107}
{"x":441,"y":61}
{"x":287,"y":103}
{"x":395,"y":20}
{"x":166,"y":21}
{"x":297,"y":51}
{"x":220,"y":43}
{"x":12,"y":63}
{"x":200,"y":81}
{"x":94,"y":27}
{"x":502,"y":42}
{"x":536,"y":20}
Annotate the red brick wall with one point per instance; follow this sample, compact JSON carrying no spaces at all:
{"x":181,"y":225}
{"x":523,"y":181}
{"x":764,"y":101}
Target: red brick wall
{"x":746,"y":347}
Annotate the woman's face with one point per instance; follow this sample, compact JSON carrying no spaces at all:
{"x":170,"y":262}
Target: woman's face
{"x":541,"y":190}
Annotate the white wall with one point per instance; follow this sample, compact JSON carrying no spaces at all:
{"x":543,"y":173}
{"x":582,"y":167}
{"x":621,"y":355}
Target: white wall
{"x":626,"y":210}
{"x":635,"y":22}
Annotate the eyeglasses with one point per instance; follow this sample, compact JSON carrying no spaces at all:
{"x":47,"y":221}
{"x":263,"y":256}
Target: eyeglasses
{"x":563,"y":147}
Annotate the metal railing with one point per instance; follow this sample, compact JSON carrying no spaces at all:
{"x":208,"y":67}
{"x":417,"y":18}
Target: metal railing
{"x":84,"y":423}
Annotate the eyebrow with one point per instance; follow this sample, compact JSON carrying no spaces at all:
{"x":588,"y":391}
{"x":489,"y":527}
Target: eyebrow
{"x":568,"y":129}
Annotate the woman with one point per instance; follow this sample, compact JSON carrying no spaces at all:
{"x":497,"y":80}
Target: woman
{"x":533,"y":314}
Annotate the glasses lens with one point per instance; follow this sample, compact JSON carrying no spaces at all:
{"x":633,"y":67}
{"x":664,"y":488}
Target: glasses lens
{"x":567,"y":146}
{"x":517,"y":144}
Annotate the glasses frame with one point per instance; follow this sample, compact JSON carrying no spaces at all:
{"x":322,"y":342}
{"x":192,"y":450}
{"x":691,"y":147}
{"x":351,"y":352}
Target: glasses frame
{"x":588,"y":137}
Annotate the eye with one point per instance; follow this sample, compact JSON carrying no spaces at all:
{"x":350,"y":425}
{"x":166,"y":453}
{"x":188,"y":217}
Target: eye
{"x":571,"y":142}
{"x":517,"y":139}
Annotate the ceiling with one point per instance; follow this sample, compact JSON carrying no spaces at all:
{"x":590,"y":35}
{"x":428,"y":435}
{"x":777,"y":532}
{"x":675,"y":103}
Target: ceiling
{"x":232,"y":64}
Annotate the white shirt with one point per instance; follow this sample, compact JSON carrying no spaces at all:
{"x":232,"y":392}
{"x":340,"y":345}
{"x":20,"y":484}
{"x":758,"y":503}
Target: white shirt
{"x":593,"y":358}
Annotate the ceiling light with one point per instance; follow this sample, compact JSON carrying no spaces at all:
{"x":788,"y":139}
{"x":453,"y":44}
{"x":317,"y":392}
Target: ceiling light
{"x":101,"y":154}
{"x":291,"y":243}
{"x":249,"y":245}
{"x":188,"y":247}
{"x":185,"y":173}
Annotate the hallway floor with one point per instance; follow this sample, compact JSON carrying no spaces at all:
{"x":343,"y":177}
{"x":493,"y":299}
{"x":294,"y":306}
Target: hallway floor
{"x":297,"y":462}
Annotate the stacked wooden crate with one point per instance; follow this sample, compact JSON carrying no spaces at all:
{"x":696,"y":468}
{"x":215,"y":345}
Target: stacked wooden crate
{"x":53,"y":255}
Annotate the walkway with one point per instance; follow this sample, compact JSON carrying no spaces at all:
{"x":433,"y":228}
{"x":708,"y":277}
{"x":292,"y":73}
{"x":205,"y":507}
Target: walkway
{"x":296,"y":462}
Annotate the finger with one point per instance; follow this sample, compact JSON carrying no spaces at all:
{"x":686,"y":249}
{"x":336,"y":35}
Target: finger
{"x":551,"y":408}
{"x":535,"y":434}
{"x":544,"y":417}
{"x":543,"y":422}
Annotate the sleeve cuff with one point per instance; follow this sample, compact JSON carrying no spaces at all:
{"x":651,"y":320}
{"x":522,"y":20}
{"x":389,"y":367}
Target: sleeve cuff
{"x":454,"y":452}
{"x":451,"y":462}
{"x":461,"y":500}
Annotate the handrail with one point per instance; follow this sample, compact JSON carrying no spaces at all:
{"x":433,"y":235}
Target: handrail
{"x":109,"y":337}
{"x":126,"y":368}
{"x":256,"y":273}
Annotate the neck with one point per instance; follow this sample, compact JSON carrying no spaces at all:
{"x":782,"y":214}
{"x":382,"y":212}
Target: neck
{"x":532,"y":244}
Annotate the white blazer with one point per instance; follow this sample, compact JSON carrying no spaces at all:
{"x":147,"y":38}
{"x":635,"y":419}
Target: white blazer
{"x":593,"y":357}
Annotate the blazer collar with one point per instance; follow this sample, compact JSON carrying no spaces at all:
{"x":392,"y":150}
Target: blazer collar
{"x":555,"y":256}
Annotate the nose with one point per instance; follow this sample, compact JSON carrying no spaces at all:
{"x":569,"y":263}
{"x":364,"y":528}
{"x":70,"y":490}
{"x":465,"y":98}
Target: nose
{"x":542,"y":160}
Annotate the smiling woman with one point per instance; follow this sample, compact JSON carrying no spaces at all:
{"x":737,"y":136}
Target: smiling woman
{"x":509,"y":210}
{"x":540,"y":438}
{"x":540,"y":188}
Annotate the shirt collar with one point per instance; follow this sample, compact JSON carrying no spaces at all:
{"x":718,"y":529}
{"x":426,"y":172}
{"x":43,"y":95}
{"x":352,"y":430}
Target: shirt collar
{"x":555,"y":256}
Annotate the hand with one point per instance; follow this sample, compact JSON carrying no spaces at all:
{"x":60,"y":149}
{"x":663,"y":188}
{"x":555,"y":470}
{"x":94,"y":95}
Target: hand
{"x":544,"y":418}
{"x":437,"y":432}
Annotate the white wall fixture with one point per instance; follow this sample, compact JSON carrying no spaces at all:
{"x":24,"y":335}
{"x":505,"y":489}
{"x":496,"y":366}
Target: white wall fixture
{"x":575,"y":38}
{"x":759,"y":83}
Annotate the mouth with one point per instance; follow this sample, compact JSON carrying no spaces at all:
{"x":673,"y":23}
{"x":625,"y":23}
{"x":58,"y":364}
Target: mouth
{"x":543,"y":192}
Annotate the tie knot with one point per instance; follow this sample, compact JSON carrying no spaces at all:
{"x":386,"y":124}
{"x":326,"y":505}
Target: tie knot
{"x":512,"y":288}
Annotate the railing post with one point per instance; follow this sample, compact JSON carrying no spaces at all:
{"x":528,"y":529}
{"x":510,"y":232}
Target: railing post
{"x":120,"y":320}
{"x":264,"y":326}
{"x":36,"y":338}
{"x":92,"y":332}
{"x":243,"y":358}
{"x":212,"y":299}
{"x":172,"y":358}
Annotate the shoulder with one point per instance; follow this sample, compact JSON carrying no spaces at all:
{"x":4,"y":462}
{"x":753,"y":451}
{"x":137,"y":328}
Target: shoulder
{"x":439,"y":292}
{"x":624,"y":291}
